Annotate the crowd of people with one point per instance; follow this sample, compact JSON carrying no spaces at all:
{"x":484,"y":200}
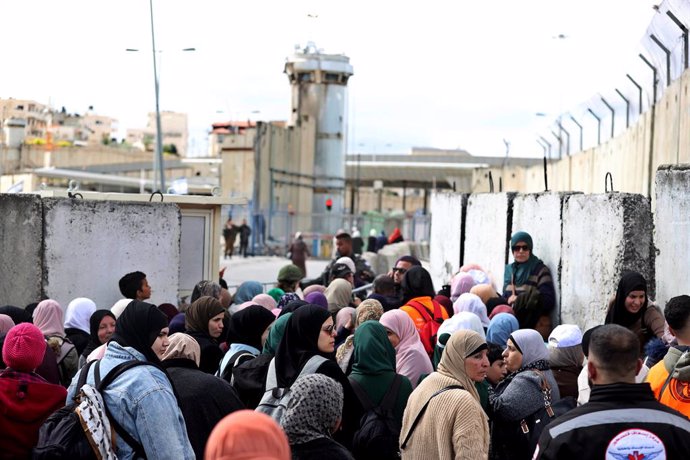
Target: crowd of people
{"x":309,"y":370}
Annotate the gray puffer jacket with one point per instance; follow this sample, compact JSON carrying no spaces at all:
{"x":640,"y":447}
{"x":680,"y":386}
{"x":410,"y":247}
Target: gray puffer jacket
{"x":513,"y":400}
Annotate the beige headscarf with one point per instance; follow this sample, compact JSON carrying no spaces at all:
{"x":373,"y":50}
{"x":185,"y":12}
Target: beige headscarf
{"x":183,"y":346}
{"x":369,"y":309}
{"x":484,"y":291}
{"x":461,"y":344}
{"x":338,"y":294}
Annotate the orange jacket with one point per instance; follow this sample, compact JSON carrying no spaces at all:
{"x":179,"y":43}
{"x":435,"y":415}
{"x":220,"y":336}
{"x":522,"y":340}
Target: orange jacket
{"x":677,"y":393}
{"x":417,"y":318}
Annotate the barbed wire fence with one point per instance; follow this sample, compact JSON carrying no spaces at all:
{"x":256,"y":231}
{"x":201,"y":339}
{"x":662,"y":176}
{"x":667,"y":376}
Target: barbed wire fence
{"x":660,"y":58}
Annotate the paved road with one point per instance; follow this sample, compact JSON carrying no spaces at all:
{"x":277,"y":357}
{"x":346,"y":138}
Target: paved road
{"x":263,"y":269}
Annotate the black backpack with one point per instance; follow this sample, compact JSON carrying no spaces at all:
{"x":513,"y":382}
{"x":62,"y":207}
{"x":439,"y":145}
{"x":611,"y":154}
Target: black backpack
{"x":249,"y":379}
{"x":379,"y":431}
{"x":62,"y":436}
{"x":235,"y":360}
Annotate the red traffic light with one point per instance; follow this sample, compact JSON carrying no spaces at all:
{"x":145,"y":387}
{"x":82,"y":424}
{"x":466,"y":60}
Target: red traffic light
{"x":329,"y":204}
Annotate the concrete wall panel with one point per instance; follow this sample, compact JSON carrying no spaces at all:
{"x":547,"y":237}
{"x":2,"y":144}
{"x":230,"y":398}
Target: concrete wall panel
{"x":603,"y":235}
{"x":487,"y":232}
{"x":540,"y":216}
{"x":90,"y":245}
{"x":672,"y":232}
{"x":446,"y":235}
{"x":21,"y":234}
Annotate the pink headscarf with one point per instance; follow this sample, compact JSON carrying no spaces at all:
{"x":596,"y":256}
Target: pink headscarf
{"x":6,"y":323}
{"x":473,"y":304}
{"x":344,"y":316}
{"x":410,"y":357}
{"x":461,"y":283}
{"x":265,"y":300}
{"x":501,"y":309}
{"x":48,"y":318}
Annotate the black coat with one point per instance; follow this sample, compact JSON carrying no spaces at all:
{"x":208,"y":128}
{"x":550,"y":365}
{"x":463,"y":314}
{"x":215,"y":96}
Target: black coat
{"x":203,"y":399}
{"x":211,"y":354}
{"x":318,"y":449}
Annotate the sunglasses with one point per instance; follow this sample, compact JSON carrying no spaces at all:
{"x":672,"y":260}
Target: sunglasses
{"x":400,"y":270}
{"x":328,"y":329}
{"x":520,"y":247}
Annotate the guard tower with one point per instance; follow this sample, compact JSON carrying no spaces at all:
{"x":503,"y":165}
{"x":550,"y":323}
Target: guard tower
{"x":319,"y":95}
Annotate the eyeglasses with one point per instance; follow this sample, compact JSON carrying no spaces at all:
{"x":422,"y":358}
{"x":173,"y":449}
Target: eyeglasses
{"x":520,"y":247}
{"x":328,"y":329}
{"x":399,"y":270}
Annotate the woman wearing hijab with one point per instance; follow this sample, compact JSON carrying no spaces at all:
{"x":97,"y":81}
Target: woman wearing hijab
{"x":473,"y":304}
{"x":310,"y":332}
{"x":314,"y":415}
{"x":265,"y":301}
{"x":368,"y":310}
{"x":142,"y":399}
{"x":462,"y":321}
{"x":443,"y":422}
{"x":521,"y":393}
{"x":412,"y":360}
{"x":523,"y":276}
{"x":77,"y":327}
{"x":373,"y":367}
{"x":418,"y":293}
{"x":566,"y":357}
{"x":339,"y":295}
{"x":344,"y":324}
{"x":460,"y":284}
{"x":317,"y":298}
{"x":500,"y":328}
{"x":204,"y":322}
{"x":247,"y":435}
{"x":248,"y":330}
{"x":247,"y":291}
{"x":485,"y":292}
{"x":630,"y":308}
{"x":101,"y":328}
{"x":48,"y":318}
{"x":287,"y":299}
{"x":204,"y":399}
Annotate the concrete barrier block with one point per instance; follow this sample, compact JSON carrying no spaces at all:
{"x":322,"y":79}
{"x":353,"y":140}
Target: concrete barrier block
{"x":90,"y":245}
{"x":540,"y":215}
{"x":672,"y":231}
{"x":447,"y":213}
{"x":487,"y":232}
{"x":21,"y":236}
{"x":603,"y":235}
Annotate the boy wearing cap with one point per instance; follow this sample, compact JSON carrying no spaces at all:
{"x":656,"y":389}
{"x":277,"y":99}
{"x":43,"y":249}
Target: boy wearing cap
{"x":26,"y":398}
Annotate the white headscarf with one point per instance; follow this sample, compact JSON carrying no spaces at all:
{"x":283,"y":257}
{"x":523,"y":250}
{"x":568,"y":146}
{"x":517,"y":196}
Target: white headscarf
{"x":473,"y":304}
{"x":78,"y":313}
{"x":461,"y":321}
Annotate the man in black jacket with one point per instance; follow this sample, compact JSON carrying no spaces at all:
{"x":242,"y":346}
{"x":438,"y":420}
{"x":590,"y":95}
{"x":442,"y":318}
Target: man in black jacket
{"x":622,"y":420}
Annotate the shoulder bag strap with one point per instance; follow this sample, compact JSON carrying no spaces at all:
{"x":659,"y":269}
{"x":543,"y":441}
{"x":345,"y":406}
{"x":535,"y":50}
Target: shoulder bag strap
{"x":361,"y":394}
{"x":421,"y":412}
{"x":421,"y":309}
{"x":271,"y":379}
{"x":312,"y":365}
{"x":83,"y":375}
{"x":102,"y":384}
{"x":389,"y":400}
{"x":438,"y":315}
{"x":670,"y":376}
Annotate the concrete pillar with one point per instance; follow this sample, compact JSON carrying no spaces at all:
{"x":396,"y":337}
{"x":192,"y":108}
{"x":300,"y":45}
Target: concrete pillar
{"x":487,"y":232}
{"x":672,"y":231}
{"x":90,"y":245}
{"x":447,"y":213}
{"x":603,"y":235}
{"x":21,"y":235}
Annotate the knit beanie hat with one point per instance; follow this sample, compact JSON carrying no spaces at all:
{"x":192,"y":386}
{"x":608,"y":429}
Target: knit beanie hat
{"x":290,"y":273}
{"x":24,"y":348}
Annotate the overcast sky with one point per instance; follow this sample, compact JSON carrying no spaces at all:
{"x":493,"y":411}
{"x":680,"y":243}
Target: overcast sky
{"x":446,"y":74}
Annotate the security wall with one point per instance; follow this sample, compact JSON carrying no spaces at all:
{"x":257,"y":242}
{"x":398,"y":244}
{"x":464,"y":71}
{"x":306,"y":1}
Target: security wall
{"x":446,"y":229}
{"x":66,"y":248}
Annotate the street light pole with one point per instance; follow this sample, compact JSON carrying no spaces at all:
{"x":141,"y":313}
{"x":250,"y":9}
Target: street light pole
{"x":158,"y":165}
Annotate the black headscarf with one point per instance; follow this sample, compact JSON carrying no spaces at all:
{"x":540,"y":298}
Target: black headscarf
{"x":138,"y":327}
{"x":94,"y":324}
{"x":247,"y":325}
{"x":630,"y":281}
{"x":18,"y":315}
{"x":299,"y":342}
{"x":417,"y":282}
